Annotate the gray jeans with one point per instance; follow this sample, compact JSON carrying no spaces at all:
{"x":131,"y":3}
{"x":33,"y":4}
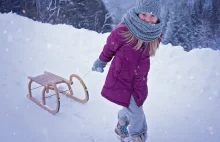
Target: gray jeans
{"x":135,"y":115}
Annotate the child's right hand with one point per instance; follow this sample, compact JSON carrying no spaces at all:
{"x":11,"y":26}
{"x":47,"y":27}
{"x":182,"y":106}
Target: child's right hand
{"x":99,"y":66}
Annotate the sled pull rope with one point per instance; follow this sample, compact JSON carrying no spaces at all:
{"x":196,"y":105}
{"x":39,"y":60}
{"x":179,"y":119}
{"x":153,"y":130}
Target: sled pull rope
{"x":36,"y":87}
{"x":59,"y":92}
{"x":90,"y":71}
{"x":87,"y":75}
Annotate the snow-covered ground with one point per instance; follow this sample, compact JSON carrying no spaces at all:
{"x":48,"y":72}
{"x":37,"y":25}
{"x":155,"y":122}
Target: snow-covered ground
{"x":184,"y":93}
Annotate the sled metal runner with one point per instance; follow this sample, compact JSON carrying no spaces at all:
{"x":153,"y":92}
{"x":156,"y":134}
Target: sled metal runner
{"x":50,"y":81}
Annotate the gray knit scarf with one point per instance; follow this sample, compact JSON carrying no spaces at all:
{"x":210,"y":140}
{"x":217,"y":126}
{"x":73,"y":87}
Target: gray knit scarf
{"x":140,"y":29}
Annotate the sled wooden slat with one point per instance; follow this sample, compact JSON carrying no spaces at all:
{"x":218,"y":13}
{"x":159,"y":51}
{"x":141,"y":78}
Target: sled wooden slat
{"x":50,"y":81}
{"x":48,"y":78}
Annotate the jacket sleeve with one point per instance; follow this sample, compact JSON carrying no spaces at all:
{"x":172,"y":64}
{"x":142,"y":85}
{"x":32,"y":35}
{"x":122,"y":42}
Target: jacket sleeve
{"x":113,"y":43}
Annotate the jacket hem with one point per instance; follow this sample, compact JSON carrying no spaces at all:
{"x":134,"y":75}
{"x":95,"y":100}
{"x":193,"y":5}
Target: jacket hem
{"x":116,"y":102}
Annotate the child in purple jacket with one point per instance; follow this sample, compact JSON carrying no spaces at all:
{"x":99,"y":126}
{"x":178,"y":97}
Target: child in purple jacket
{"x":131,"y":44}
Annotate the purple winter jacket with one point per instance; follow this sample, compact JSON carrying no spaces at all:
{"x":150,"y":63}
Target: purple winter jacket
{"x":128,"y":72}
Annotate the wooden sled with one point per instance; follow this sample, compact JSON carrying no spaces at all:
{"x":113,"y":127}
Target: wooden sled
{"x":49,"y":81}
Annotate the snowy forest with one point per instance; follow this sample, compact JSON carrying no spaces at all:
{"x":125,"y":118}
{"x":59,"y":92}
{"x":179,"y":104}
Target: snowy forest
{"x":188,"y":23}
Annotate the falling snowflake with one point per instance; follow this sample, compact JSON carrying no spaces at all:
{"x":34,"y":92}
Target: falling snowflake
{"x":23,"y":11}
{"x":192,"y":77}
{"x":210,"y":129}
{"x":188,"y":105}
{"x":10,"y":38}
{"x":27,"y":39}
{"x":48,"y":45}
{"x":19,"y":30}
{"x":201,"y":91}
{"x":179,"y":77}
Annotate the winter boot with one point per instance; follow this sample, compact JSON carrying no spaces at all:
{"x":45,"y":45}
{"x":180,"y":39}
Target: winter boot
{"x":141,"y":138}
{"x":122,"y":131}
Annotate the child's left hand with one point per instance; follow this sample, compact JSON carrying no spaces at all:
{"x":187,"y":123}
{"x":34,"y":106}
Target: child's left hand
{"x":99,"y":66}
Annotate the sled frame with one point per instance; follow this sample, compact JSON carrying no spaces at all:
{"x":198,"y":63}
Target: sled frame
{"x":50,"y":81}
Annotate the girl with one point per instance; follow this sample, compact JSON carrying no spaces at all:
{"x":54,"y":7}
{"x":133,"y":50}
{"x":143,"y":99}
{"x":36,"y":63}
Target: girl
{"x":131,"y":44}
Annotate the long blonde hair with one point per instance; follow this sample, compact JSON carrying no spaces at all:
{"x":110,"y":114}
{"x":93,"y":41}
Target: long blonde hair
{"x":129,"y":38}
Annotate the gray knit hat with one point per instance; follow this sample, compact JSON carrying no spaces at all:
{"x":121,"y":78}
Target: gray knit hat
{"x":140,"y":29}
{"x":148,"y":6}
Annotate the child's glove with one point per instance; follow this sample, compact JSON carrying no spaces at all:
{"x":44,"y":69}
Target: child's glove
{"x":99,"y":66}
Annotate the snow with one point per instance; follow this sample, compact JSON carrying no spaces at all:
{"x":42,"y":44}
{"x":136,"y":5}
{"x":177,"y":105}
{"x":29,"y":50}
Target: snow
{"x":184,"y":95}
